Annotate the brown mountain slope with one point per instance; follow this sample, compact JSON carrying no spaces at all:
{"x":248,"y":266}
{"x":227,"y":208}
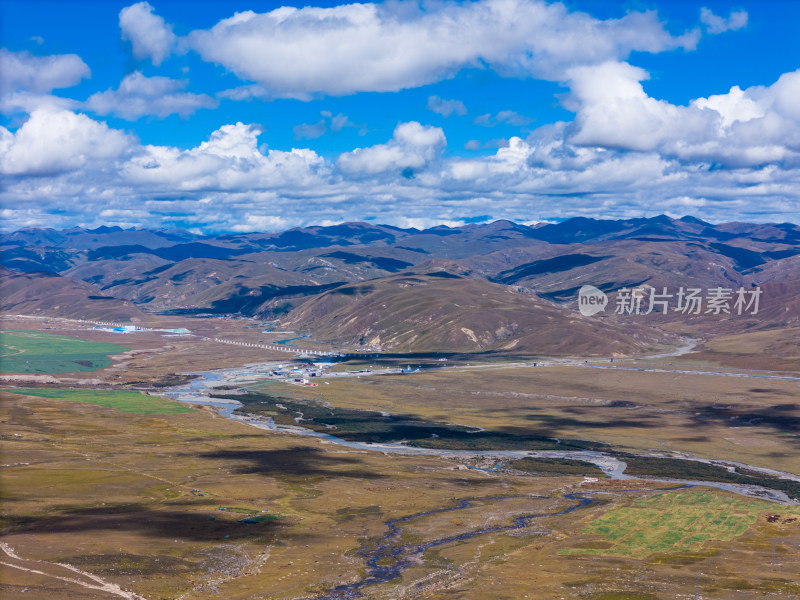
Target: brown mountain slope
{"x":104,"y":273}
{"x":558,"y":272}
{"x":47,"y":294}
{"x":778,"y":307}
{"x":786,"y":269}
{"x":768,"y":340}
{"x":239,"y":284}
{"x":442,"y":312}
{"x":200,"y":282}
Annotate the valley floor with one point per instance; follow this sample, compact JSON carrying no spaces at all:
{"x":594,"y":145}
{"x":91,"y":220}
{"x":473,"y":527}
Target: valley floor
{"x":102,"y":501}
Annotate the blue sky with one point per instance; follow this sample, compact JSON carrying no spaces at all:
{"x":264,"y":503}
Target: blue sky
{"x":237,"y":116}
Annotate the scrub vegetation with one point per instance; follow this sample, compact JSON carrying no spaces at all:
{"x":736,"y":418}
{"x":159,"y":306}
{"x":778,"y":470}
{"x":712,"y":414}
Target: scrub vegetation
{"x":376,"y":427}
{"x":674,"y":468}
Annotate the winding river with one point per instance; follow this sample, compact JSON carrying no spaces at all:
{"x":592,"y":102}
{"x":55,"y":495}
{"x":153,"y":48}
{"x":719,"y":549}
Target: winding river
{"x":198,"y":392}
{"x":387,"y":557}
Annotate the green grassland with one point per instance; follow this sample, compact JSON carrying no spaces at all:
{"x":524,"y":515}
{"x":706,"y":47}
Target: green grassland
{"x":121,"y":400}
{"x":24,"y":351}
{"x":673,"y":522}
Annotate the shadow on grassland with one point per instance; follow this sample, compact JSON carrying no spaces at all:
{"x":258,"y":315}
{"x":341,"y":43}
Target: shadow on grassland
{"x":147,"y":521}
{"x":553,"y":422}
{"x":372,"y":426}
{"x":296,"y":462}
{"x":781,"y":417}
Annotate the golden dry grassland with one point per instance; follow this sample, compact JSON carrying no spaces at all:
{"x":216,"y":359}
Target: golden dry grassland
{"x":753,"y":421}
{"x":135,"y":500}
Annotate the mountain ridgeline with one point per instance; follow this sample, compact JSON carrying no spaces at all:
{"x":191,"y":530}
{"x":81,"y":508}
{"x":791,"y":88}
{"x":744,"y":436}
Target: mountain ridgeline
{"x":498,"y":287}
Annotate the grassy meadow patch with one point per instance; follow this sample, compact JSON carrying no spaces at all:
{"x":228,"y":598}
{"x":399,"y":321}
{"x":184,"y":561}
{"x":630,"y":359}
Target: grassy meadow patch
{"x":121,"y":400}
{"x":673,"y":522}
{"x":23,"y":351}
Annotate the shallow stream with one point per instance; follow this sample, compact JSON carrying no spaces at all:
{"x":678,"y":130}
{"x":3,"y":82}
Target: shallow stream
{"x":198,"y":392}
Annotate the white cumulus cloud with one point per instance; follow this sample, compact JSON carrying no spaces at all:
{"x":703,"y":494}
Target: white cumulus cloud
{"x":734,"y":155}
{"x":298,"y":52}
{"x":138,"y":96}
{"x":613,"y":110}
{"x":56,"y":141}
{"x":229,"y":160}
{"x":22,"y":71}
{"x":751,"y":127}
{"x":27,"y":102}
{"x":149,"y":35}
{"x":412,"y":148}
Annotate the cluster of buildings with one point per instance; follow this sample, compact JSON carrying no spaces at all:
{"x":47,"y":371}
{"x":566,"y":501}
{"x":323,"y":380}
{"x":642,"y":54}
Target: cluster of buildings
{"x":301,"y":375}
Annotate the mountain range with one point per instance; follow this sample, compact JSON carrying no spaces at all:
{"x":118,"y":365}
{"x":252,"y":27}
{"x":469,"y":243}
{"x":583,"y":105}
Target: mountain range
{"x":501,"y":286}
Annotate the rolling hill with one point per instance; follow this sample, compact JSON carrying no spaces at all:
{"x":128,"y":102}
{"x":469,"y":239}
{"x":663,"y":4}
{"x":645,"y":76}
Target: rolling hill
{"x":444,"y":312}
{"x":48,"y":294}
